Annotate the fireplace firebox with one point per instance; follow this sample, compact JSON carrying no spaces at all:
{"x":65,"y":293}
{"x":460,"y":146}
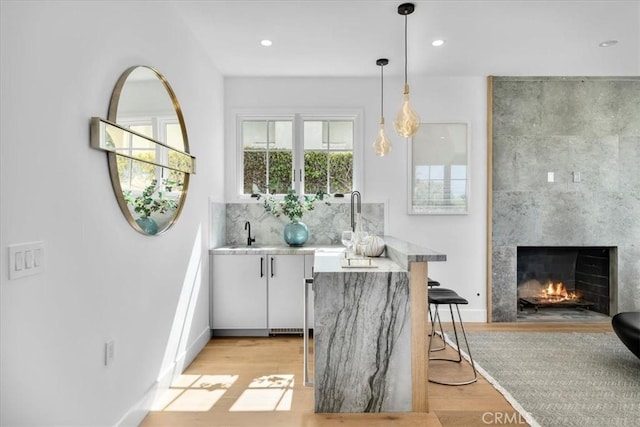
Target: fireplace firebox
{"x":565,"y":277}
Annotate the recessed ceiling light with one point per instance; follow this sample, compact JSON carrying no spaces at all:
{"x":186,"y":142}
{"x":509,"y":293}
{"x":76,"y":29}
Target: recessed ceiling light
{"x":266,"y":42}
{"x":437,"y":43}
{"x":608,"y":43}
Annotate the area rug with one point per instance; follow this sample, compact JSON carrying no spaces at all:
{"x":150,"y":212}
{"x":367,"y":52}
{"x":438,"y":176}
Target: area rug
{"x":562,"y":379}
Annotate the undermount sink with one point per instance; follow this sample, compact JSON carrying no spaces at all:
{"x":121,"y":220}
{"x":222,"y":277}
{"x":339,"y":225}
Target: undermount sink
{"x":330,"y":250}
{"x":242,"y":247}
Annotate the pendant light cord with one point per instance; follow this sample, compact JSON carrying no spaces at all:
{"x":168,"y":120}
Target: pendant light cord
{"x":405,"y":49}
{"x":381,"y":91}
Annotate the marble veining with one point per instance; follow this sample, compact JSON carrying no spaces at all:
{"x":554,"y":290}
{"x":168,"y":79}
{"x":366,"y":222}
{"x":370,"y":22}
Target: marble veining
{"x":217,"y":226}
{"x":369,"y":347}
{"x":362,"y":342}
{"x":325,"y":222}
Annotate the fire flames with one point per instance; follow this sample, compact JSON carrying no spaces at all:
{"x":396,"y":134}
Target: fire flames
{"x":548,"y":293}
{"x":556,"y":292}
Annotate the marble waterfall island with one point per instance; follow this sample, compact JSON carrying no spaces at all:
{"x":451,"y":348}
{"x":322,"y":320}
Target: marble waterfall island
{"x":370,"y":327}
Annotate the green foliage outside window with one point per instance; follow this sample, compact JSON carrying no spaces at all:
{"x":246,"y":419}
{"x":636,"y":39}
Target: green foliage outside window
{"x":340,"y":170}
{"x":280,"y":165}
{"x":255,"y":171}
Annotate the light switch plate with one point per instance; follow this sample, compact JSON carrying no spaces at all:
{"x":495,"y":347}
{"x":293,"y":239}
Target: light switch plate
{"x":25,"y":259}
{"x":109,"y":352}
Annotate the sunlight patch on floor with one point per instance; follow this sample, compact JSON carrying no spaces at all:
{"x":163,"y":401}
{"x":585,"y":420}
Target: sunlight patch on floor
{"x":266,"y":393}
{"x":273,"y":381}
{"x":194,"y":393}
{"x":200,"y":393}
{"x":213,"y":382}
{"x":184,"y":380}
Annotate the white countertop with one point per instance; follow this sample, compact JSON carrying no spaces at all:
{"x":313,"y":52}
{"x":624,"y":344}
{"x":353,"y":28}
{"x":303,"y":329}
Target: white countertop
{"x":399,"y":254}
{"x":272,"y":249}
{"x":332,"y":262}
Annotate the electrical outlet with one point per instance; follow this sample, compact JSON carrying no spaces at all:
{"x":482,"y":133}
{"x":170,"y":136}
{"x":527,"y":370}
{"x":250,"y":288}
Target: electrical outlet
{"x":109,"y":352}
{"x":577,"y":177}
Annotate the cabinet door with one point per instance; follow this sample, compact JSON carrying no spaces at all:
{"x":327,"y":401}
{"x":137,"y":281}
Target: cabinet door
{"x":286,"y":281}
{"x":239,"y":292}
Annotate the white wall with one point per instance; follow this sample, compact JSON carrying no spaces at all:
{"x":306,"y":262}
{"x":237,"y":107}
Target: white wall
{"x":102,"y":279}
{"x":437,"y":99}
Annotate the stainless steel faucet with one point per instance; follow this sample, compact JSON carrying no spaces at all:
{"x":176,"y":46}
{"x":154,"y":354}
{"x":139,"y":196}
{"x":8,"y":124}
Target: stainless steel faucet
{"x":247,"y":225}
{"x":355,"y":195}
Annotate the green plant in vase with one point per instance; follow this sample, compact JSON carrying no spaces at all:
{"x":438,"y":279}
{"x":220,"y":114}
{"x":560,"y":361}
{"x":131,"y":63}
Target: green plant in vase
{"x":152,"y":200}
{"x":293,"y":206}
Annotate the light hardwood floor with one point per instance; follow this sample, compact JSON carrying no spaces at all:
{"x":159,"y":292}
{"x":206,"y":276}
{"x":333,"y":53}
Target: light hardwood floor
{"x":262,"y":380}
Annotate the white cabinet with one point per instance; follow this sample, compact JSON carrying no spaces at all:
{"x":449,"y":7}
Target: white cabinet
{"x":285,"y":291}
{"x":239,"y":292}
{"x":255,"y":294}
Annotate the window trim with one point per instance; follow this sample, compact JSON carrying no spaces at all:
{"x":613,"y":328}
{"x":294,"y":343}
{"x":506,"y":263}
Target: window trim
{"x":297,"y":116}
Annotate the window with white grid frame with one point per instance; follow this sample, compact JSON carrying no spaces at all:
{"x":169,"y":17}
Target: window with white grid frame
{"x":309,"y":153}
{"x":328,"y":156}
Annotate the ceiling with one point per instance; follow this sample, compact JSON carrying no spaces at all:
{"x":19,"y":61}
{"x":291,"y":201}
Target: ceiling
{"x":344,"y":38}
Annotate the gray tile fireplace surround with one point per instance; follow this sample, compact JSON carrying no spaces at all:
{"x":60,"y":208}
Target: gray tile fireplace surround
{"x":565,"y":125}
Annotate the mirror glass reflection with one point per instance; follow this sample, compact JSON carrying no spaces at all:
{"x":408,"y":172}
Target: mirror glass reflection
{"x":150,"y":179}
{"x":439,"y":178}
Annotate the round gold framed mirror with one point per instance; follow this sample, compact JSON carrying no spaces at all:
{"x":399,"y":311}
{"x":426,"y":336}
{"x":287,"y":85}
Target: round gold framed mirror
{"x":148,"y":150}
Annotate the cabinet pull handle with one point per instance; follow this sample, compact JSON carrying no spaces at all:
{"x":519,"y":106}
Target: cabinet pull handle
{"x":261,"y":266}
{"x":271,"y":266}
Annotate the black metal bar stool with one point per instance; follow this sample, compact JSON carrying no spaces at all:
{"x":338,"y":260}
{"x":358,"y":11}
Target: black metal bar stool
{"x":434,"y":287}
{"x":442,"y":296}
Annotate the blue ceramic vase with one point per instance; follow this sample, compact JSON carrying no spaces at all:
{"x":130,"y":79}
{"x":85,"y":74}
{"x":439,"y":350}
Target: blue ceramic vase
{"x":148,"y":225}
{"x":296,"y":233}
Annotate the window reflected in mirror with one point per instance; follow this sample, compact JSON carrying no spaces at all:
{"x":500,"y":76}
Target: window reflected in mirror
{"x":439,"y":175}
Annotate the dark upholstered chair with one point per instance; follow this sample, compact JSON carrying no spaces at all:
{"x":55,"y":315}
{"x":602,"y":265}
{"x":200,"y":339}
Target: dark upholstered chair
{"x":627,"y":327}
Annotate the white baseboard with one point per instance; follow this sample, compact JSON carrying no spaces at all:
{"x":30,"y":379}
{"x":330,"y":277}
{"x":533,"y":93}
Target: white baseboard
{"x":136,"y":414}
